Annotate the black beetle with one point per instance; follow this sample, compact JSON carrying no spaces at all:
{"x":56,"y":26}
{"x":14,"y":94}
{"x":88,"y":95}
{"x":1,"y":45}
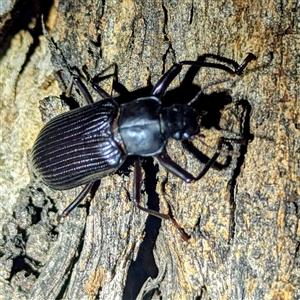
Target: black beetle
{"x":85,"y":144}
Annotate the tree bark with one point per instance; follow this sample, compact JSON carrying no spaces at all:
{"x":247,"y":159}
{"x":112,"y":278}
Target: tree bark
{"x":242,"y":217}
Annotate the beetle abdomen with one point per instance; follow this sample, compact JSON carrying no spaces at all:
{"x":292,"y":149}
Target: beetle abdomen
{"x":77,"y":147}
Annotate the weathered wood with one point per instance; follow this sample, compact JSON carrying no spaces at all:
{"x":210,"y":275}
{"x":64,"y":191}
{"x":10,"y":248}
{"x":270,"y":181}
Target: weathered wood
{"x":243,"y":219}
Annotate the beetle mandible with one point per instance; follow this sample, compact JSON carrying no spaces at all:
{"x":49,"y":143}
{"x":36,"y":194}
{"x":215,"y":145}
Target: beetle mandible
{"x":85,"y":144}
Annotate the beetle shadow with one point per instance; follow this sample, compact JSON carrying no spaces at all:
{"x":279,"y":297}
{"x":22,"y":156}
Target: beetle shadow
{"x":144,"y":266}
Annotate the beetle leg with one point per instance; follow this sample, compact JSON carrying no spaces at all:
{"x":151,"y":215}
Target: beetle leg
{"x":76,"y":202}
{"x":117,"y":86}
{"x":82,"y":88}
{"x":163,"y":83}
{"x":69,"y":88}
{"x":161,"y":86}
{"x":95,"y":86}
{"x":165,"y":160}
{"x":137,"y":198}
{"x":99,"y":90}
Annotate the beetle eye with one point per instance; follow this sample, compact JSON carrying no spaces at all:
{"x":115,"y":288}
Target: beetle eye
{"x":185,"y":136}
{"x":177,"y":135}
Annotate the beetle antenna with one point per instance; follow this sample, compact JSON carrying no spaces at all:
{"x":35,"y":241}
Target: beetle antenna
{"x":205,"y":87}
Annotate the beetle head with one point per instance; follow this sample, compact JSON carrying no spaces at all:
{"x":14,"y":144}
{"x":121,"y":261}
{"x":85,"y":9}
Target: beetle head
{"x":180,"y":121}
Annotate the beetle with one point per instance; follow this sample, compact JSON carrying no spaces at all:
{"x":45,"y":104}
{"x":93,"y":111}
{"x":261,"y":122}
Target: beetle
{"x":85,"y":144}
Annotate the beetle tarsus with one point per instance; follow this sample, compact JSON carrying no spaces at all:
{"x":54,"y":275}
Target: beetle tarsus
{"x":60,"y":219}
{"x":76,"y":202}
{"x":244,"y":64}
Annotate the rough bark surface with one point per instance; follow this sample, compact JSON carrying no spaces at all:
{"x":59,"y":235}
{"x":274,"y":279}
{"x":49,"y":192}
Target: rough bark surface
{"x":242,"y":217}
